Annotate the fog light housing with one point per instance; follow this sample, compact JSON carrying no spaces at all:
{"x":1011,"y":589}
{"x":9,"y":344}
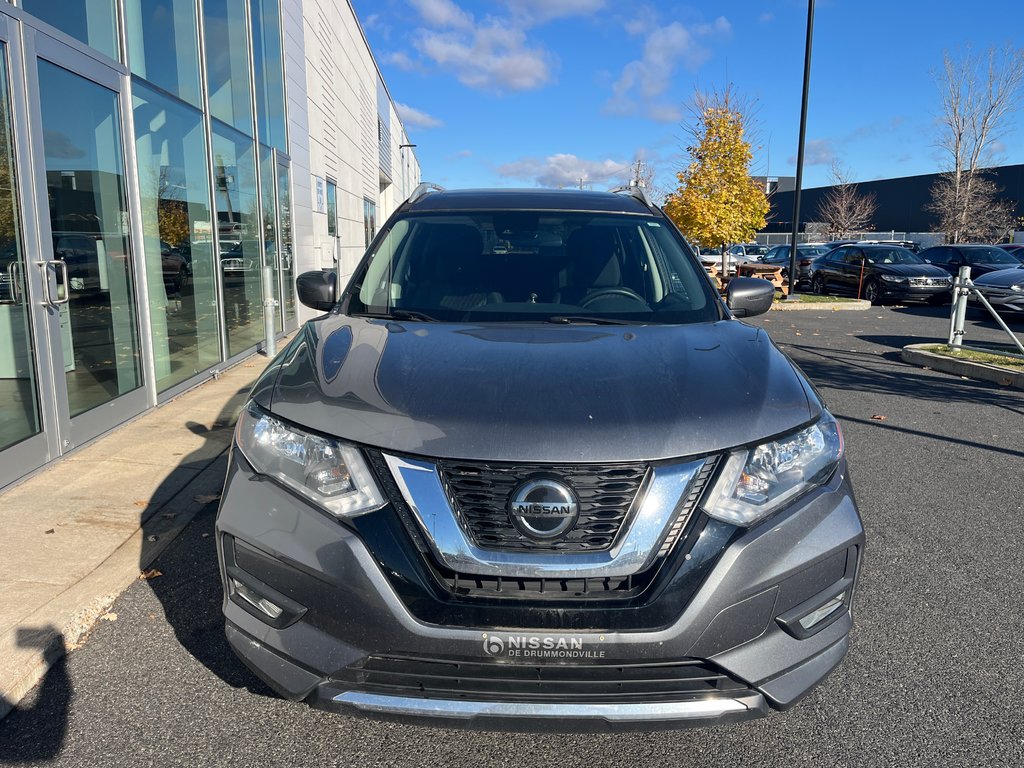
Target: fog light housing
{"x":814,"y":614}
{"x":250,"y":596}
{"x":819,"y":615}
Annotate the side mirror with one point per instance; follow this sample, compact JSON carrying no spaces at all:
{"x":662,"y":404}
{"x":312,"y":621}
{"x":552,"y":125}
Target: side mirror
{"x":316,"y":289}
{"x":749,"y":296}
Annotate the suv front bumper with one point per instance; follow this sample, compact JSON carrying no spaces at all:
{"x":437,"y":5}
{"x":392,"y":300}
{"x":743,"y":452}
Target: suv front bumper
{"x":736,"y":646}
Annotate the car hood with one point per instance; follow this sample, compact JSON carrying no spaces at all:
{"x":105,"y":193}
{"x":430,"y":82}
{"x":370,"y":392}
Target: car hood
{"x":910,"y":270}
{"x":545,"y":393}
{"x":1002,"y":277}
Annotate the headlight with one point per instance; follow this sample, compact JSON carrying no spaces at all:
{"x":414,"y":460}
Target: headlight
{"x":330,"y":473}
{"x":759,"y":481}
{"x":1017,"y":287}
{"x":893,"y":278}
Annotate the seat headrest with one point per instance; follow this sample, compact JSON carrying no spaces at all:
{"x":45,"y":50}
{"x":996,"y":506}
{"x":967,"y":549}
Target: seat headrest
{"x":592,"y":259}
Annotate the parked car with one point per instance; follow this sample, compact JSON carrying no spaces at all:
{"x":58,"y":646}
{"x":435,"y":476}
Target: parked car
{"x":1014,"y":249}
{"x":805,"y":254}
{"x":558,"y":487}
{"x":880,"y":273}
{"x":746,"y":252}
{"x":980,"y":258}
{"x":1004,"y":289}
{"x":175,"y":267}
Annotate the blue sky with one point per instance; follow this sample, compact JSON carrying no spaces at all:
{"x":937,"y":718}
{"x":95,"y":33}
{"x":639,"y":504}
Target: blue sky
{"x":543,"y":92}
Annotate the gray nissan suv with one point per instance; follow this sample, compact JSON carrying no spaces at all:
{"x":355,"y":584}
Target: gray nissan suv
{"x":531,"y":472}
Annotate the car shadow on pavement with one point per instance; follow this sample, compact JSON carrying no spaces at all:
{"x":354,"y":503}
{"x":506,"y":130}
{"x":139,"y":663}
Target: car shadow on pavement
{"x":887,"y":374}
{"x":185,"y":577}
{"x":36,"y":730}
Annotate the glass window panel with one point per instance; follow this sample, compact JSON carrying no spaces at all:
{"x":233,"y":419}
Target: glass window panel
{"x":89,"y":221}
{"x":269,"y":68}
{"x":238,"y":236}
{"x":163,"y":45}
{"x":227,"y":62}
{"x":94,"y":22}
{"x":284,"y":212}
{"x":19,"y":400}
{"x":270,"y":239}
{"x":174,"y":182}
{"x":332,"y":208}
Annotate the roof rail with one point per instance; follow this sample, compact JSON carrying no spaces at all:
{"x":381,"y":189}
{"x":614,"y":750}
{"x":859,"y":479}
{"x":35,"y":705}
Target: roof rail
{"x":634,"y":191}
{"x":424,"y":189}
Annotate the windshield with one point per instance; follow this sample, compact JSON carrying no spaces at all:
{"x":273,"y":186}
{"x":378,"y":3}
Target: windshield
{"x":987,"y":255}
{"x":532,"y":266}
{"x":892,"y":256}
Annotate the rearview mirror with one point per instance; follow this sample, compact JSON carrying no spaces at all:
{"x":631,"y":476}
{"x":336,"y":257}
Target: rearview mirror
{"x":749,"y":296}
{"x":316,"y":289}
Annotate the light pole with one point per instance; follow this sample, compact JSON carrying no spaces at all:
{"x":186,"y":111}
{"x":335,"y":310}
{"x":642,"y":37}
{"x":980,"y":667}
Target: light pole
{"x":793,"y":273}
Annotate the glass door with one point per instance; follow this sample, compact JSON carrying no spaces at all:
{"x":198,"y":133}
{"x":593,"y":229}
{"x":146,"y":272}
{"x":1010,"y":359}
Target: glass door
{"x":24,"y":420}
{"x":85,"y":241}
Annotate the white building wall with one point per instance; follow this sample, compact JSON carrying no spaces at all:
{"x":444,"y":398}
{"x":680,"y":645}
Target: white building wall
{"x":332,"y":79}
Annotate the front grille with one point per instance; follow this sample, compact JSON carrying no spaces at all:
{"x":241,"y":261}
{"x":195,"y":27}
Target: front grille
{"x":480,"y":493}
{"x":591,"y":683}
{"x":593,"y":588}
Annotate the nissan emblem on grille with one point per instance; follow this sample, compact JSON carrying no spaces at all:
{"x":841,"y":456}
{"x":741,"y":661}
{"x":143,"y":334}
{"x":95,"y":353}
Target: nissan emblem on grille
{"x":543,"y":509}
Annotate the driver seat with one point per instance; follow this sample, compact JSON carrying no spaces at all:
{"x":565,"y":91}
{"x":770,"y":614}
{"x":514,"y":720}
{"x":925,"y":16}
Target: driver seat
{"x":593,"y":264}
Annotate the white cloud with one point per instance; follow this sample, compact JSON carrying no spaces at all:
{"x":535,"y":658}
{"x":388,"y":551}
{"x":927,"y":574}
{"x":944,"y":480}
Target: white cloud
{"x":489,"y":57}
{"x":416,"y":118}
{"x":442,"y":13}
{"x":817,"y":152}
{"x":539,"y":11}
{"x":565,"y":170}
{"x":644,"y":81}
{"x":399,"y":59}
{"x":766,"y":17}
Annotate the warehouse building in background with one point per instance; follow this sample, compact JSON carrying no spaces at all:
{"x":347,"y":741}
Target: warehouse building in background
{"x":167,"y":168}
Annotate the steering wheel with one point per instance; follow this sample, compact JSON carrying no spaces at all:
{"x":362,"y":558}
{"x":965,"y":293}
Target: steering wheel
{"x":606,"y":292}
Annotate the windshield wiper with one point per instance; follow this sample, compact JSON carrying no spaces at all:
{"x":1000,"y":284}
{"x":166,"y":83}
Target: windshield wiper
{"x":584,"y":320}
{"x":398,"y":314}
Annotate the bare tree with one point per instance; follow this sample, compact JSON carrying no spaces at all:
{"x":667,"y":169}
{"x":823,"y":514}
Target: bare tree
{"x":979,"y":95}
{"x":843,"y":209}
{"x":983,"y":216}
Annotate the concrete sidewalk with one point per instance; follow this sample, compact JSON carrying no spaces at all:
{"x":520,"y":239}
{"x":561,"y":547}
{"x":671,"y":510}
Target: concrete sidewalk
{"x":76,"y":534}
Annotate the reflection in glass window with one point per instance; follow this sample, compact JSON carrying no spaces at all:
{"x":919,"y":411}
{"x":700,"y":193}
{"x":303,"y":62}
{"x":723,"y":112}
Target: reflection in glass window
{"x":369,"y":220}
{"x":269,"y":211}
{"x":268,"y":60}
{"x":332,"y":208}
{"x":89,"y":221}
{"x":227,"y":62}
{"x":19,"y":410}
{"x":238,"y":236}
{"x":163,"y":45}
{"x":177,"y":235}
{"x":94,"y":22}
{"x":284,"y":213}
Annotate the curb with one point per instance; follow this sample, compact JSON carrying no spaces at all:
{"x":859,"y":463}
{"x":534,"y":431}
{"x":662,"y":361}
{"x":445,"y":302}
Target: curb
{"x":832,"y":306}
{"x":1004,"y":377}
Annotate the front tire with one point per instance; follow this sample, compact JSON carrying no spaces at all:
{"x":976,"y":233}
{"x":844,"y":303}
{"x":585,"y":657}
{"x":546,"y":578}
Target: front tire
{"x":818,"y":286}
{"x":873,"y":292}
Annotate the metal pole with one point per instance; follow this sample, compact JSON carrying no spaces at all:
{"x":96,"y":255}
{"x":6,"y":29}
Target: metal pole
{"x":269,"y":304}
{"x":960,"y":306}
{"x":794,"y":275}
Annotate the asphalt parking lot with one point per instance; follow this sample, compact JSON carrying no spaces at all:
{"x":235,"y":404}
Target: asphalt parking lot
{"x":934,"y":675}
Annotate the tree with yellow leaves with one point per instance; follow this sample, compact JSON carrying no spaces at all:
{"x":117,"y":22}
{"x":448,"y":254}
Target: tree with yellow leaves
{"x":717,"y":202}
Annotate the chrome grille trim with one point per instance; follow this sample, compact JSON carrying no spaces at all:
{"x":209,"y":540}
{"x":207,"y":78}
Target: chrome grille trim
{"x":635,"y":550}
